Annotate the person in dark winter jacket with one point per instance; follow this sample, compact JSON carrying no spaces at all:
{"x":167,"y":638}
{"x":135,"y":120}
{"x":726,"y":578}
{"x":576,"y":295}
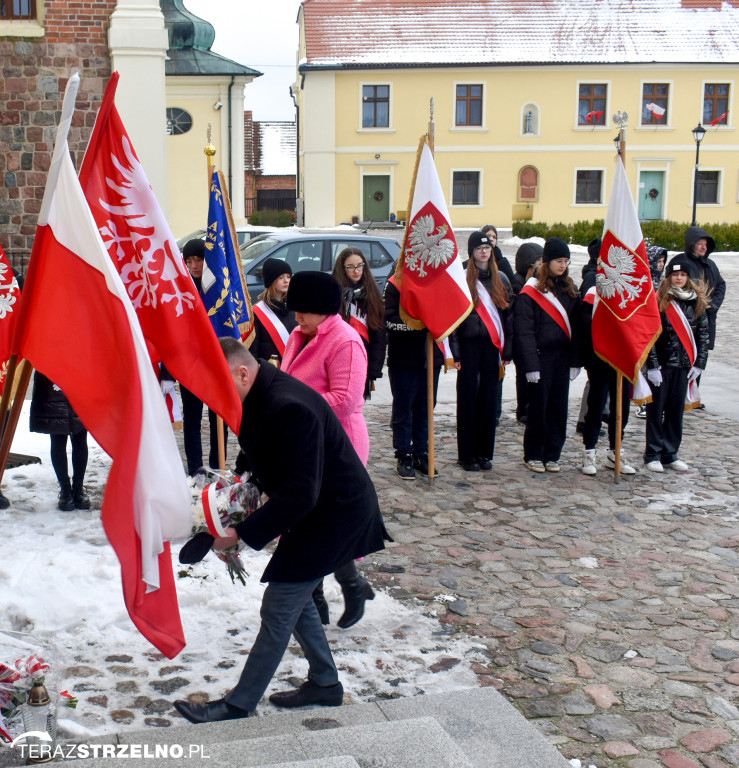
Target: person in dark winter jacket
{"x":363,"y":309}
{"x":406,"y":368}
{"x":480,"y":345}
{"x":676,"y":360}
{"x":192,"y":406}
{"x":273,"y":321}
{"x":528,"y":260}
{"x":322,"y":507}
{"x":548,"y":348}
{"x":699,"y":245}
{"x":52,"y":414}
{"x":657,"y":256}
{"x":504,"y":266}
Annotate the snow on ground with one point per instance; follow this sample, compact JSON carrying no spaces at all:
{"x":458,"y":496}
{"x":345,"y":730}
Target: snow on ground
{"x":60,"y":588}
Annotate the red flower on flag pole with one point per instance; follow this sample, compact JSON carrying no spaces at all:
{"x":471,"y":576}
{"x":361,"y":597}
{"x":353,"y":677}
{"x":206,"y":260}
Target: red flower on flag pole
{"x":626,"y":320}
{"x":9,"y":297}
{"x":145,"y":254}
{"x":433,"y":286}
{"x":76,"y":324}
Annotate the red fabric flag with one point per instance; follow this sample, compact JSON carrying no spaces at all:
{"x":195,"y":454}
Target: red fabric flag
{"x":140,"y":244}
{"x":76,"y":325}
{"x":718,"y":119}
{"x":9,"y":297}
{"x":433,"y":285}
{"x":594,"y":116}
{"x":626,"y":320}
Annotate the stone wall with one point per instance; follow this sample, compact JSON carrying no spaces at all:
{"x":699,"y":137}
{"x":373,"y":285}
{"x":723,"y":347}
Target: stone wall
{"x":32,"y":81}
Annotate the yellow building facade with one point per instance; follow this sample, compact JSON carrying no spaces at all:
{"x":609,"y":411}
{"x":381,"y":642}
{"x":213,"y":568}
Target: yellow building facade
{"x":515,"y":141}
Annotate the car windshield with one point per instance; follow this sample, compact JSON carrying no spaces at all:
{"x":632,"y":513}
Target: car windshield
{"x":253,"y":249}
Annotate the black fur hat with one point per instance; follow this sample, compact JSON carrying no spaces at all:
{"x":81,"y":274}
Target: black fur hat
{"x":316,"y":292}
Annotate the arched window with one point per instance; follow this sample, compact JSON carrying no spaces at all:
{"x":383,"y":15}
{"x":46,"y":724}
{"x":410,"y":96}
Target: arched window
{"x":530,"y":120}
{"x":528,"y":184}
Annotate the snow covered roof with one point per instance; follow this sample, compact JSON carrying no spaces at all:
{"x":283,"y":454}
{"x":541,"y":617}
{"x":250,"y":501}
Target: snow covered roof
{"x":276,"y":148}
{"x":388,"y":33}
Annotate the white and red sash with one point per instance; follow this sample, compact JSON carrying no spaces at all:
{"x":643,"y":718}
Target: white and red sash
{"x":684,"y":332}
{"x":490,"y":317}
{"x":590,"y":296}
{"x":549,"y":303}
{"x":358,"y":321}
{"x":273,"y":325}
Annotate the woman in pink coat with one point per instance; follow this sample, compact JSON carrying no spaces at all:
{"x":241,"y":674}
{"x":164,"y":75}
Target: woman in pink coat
{"x":328,"y":355}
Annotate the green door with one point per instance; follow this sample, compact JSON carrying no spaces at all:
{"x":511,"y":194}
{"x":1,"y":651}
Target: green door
{"x":376,"y":198}
{"x":651,"y":189}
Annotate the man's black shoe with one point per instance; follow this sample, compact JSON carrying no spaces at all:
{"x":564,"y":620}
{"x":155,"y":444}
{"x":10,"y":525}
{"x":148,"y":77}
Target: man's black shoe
{"x":421,"y":464}
{"x":4,"y":501}
{"x":485,"y":464}
{"x":405,"y":467}
{"x":310,"y":693}
{"x":469,"y":466}
{"x":209,"y":711}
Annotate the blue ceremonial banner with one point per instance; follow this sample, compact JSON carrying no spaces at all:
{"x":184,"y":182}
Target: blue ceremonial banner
{"x":224,"y":289}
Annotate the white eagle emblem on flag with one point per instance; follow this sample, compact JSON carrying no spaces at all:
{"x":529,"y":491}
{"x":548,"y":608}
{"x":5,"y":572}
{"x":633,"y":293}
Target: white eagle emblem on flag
{"x":428,"y":245}
{"x":618,"y":276}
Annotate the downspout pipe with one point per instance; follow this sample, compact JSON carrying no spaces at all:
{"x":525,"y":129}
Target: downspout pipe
{"x":230,"y":136}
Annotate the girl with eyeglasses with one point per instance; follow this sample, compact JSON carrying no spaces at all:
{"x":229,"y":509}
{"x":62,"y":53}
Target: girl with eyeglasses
{"x":363,"y":309}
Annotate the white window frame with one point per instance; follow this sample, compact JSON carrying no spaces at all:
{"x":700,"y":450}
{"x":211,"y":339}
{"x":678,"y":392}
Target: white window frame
{"x":666,"y":123}
{"x":537,"y":111}
{"x":607,"y":124}
{"x":480,"y":179}
{"x":603,"y":172}
{"x":470,"y":128}
{"x":375,"y":83}
{"x":719,"y":192}
{"x":729,"y":122}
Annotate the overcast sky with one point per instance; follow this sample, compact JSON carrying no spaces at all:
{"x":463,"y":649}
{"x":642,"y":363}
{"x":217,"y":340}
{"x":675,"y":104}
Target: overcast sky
{"x":261,"y":35}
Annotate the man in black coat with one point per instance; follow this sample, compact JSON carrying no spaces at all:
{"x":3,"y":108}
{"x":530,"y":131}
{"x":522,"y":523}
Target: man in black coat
{"x":699,"y":245}
{"x":323,"y":507}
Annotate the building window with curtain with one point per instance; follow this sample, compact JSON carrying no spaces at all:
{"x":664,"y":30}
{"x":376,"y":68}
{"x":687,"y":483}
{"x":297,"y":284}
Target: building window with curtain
{"x":375,"y":106}
{"x":469,"y":105}
{"x":591,"y":108}
{"x":589,"y":188}
{"x":707,"y":187}
{"x":654,"y":103}
{"x":715,"y":103}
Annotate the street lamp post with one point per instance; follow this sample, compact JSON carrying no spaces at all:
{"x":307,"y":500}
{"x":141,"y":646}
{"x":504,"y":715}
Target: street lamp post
{"x":698,"y":133}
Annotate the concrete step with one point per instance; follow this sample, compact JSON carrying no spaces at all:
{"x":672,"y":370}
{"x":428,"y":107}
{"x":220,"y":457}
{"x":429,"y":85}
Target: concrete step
{"x":474,"y":728}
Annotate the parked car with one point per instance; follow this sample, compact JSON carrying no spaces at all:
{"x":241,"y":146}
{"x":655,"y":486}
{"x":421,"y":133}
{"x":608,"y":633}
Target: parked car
{"x":315,"y":251}
{"x":244,"y":233}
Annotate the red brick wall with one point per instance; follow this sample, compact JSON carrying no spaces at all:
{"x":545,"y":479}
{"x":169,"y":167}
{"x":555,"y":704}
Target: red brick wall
{"x":276,"y":182}
{"x":33,"y":76}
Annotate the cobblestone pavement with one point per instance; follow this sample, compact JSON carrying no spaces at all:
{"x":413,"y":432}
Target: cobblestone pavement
{"x":608,"y":610}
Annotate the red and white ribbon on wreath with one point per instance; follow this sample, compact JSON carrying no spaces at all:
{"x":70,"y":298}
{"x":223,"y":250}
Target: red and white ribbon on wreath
{"x":210,"y":510}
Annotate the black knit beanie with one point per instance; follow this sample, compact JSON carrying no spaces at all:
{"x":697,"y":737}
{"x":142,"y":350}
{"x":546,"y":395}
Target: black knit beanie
{"x":274,"y":268}
{"x":555,"y":248}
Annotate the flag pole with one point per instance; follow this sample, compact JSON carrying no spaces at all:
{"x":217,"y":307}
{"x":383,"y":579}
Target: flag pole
{"x":210,"y":152}
{"x":430,"y":343}
{"x":620,"y":157}
{"x":11,"y":423}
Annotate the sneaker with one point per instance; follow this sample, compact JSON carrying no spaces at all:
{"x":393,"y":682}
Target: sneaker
{"x":588,"y":462}
{"x":485,"y":464}
{"x":469,"y":466}
{"x":421,"y":464}
{"x":678,"y":466}
{"x":655,"y":466}
{"x":551,"y":466}
{"x":626,"y":468}
{"x":535,"y":465}
{"x":405,"y":467}
{"x":641,"y":412}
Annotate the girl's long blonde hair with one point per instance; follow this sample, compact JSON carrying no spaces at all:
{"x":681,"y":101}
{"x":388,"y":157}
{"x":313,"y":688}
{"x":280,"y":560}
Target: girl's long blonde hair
{"x":702,"y":302}
{"x":498,"y":291}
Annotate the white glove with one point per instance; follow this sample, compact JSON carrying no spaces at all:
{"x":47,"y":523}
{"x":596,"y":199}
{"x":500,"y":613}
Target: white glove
{"x":574,"y":373}
{"x":533,"y":377}
{"x":655,"y":376}
{"x":694,"y":373}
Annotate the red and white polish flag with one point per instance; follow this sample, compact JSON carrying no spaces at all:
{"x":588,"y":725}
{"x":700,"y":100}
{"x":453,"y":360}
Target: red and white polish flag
{"x":76,"y":325}
{"x":433,"y":285}
{"x":9,"y":298}
{"x":626,"y":320}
